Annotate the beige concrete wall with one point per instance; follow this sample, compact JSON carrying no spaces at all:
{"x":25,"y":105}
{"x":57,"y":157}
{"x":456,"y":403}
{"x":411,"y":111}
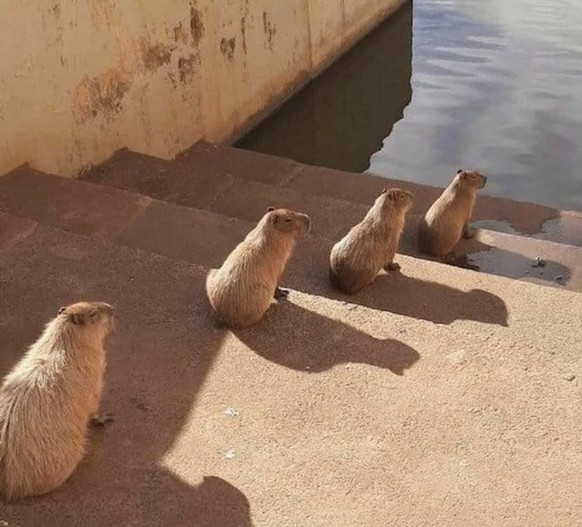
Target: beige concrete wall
{"x":80,"y":79}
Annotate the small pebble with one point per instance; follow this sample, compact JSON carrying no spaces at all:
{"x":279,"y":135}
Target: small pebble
{"x":229,"y":454}
{"x":539,"y":263}
{"x":570,"y":377}
{"x":231,"y":412}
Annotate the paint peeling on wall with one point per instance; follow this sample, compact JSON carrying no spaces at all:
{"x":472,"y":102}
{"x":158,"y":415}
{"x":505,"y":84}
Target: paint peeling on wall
{"x":101,"y":96}
{"x":187,"y":67}
{"x":269,"y":29}
{"x":155,"y":55}
{"x":227,"y":47}
{"x":180,"y":34}
{"x":196,"y":25}
{"x":88,"y":78}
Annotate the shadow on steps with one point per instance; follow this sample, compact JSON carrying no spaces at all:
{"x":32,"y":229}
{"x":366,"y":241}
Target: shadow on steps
{"x":422,"y":299}
{"x":213,"y":502}
{"x":302,"y":340}
{"x":395,"y":292}
{"x":158,"y":358}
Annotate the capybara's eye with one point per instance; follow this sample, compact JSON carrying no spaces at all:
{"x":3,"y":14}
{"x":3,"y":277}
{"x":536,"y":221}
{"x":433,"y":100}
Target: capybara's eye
{"x":288,"y":220}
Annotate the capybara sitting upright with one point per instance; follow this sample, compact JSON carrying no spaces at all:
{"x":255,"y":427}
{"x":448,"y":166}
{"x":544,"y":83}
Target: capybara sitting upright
{"x":441,"y":228}
{"x":48,"y":400}
{"x":242,"y":290}
{"x":371,"y":245}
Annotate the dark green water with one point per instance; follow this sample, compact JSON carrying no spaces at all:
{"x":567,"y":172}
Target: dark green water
{"x":490,"y":84}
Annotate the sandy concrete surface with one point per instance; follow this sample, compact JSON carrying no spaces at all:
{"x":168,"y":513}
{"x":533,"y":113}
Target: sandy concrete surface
{"x":439,"y":397}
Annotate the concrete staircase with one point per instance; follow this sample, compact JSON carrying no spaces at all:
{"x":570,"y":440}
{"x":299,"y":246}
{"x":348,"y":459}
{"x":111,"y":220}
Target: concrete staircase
{"x":242,"y":184}
{"x":440,"y":396}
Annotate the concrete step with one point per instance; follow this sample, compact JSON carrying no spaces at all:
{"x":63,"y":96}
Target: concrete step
{"x":123,"y":217}
{"x":158,"y":178}
{"x":319,"y":406}
{"x":521,"y":217}
{"x":247,"y":200}
{"x":13,"y":230}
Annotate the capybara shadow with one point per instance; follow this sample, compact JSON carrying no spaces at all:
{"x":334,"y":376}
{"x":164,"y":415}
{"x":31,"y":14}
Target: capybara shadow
{"x":426,"y":300}
{"x":306,"y":341}
{"x":163,"y":500}
{"x":396,"y":292}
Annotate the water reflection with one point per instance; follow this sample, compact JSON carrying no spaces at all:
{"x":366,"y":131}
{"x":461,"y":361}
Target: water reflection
{"x":341,"y":118}
{"x":496,"y":86}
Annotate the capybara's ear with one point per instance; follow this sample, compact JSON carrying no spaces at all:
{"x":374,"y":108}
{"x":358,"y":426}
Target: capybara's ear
{"x":270,"y":209}
{"x":384,"y":190}
{"x":62,"y":309}
{"x":78,"y":319}
{"x":459,"y":171}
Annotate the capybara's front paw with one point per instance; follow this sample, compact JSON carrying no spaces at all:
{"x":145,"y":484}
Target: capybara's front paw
{"x":101,"y":419}
{"x":281,"y":293}
{"x":469,"y":232}
{"x":392,"y":266}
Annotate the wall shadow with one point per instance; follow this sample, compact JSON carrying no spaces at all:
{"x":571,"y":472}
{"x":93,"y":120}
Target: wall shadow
{"x":342,"y":117}
{"x":302,"y":340}
{"x":158,"y":358}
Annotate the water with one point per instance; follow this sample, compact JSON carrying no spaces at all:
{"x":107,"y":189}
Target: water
{"x":488,"y":84}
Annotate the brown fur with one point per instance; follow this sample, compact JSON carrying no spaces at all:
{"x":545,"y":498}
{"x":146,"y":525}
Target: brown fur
{"x":447,"y":220}
{"x":48,"y":399}
{"x":371,"y":245}
{"x":241,"y":291}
